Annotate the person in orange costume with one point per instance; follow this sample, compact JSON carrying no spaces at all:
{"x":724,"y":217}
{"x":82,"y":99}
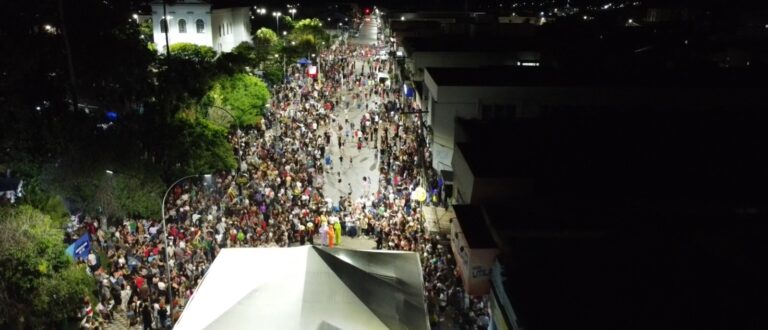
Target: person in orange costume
{"x":331,"y":236}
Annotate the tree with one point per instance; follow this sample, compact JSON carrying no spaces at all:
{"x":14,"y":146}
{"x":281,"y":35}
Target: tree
{"x":310,"y":27}
{"x":205,"y":147}
{"x":198,"y":54}
{"x":40,"y":287}
{"x":243,"y":94}
{"x":265,"y":41}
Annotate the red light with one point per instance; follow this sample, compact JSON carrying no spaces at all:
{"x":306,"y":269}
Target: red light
{"x":367,"y":10}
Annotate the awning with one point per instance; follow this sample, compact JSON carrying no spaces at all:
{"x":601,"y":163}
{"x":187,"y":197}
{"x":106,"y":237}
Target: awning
{"x":309,"y":287}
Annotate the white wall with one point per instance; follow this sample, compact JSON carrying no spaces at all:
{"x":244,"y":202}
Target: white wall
{"x":234,"y":23}
{"x":190,"y":12}
{"x":231,"y":26}
{"x":463,"y":179}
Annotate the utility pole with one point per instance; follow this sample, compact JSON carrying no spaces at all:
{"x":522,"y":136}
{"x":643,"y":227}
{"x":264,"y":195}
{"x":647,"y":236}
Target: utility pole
{"x":70,"y":66}
{"x":167,"y":27}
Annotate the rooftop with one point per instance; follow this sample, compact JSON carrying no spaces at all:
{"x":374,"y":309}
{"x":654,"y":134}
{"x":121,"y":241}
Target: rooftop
{"x":618,"y":152}
{"x":518,"y":76}
{"x":665,"y":276}
{"x":473,"y":225}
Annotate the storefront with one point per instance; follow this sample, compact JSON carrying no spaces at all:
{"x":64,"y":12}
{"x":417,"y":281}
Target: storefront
{"x":474,"y":249}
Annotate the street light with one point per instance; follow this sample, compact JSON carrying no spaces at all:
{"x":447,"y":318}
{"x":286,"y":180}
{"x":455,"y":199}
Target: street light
{"x":165,"y":243}
{"x":292,"y":11}
{"x":261,"y":11}
{"x":237,"y":125}
{"x":277,"y":15}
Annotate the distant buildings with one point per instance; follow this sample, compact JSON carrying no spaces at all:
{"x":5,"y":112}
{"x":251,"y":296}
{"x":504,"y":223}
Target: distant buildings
{"x":611,"y":157}
{"x":197,"y":22}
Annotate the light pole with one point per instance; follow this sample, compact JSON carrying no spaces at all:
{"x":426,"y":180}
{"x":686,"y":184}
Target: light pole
{"x":277,"y":15}
{"x":293,"y":12}
{"x":165,"y":244}
{"x":237,"y":125}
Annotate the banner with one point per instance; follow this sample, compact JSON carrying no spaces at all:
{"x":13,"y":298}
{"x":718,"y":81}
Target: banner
{"x":80,"y":249}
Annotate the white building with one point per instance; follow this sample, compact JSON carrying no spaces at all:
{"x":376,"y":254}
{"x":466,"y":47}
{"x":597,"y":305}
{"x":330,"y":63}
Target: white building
{"x":195,"y":21}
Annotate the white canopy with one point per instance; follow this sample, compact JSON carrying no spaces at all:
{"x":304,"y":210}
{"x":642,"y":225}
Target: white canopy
{"x":308,"y":287}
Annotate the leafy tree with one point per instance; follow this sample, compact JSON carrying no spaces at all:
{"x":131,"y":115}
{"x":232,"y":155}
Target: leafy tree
{"x":198,"y":54}
{"x":242,"y":58}
{"x":205,"y":147}
{"x":265,"y":42}
{"x":243,"y":94}
{"x":310,"y":27}
{"x":40,"y":287}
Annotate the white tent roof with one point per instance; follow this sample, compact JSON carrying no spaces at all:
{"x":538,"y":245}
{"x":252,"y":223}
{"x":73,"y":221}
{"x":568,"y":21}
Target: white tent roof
{"x":308,"y":288}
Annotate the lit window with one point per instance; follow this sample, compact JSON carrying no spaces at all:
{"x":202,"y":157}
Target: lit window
{"x":182,"y":26}
{"x":200,"y":26}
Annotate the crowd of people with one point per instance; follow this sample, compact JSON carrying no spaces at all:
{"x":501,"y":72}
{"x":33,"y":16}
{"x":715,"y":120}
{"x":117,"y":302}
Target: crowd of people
{"x":274,"y":198}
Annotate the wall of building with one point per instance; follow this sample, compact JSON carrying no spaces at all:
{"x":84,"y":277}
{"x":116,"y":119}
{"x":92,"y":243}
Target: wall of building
{"x":231,"y":27}
{"x":462,"y":257}
{"x":479,"y":272}
{"x":190,"y":13}
{"x":498,"y":190}
{"x":463,"y":179}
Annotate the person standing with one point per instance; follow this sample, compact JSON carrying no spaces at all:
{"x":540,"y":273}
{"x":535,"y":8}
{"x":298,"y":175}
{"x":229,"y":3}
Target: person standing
{"x":331,"y":236}
{"x":337,"y":230}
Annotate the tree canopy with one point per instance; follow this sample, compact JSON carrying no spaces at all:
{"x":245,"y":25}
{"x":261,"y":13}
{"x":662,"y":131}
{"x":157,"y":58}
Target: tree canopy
{"x":40,"y":287}
{"x":243,"y":95}
{"x":265,"y":42}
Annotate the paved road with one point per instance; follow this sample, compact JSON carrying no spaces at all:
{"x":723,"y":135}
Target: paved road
{"x":364,"y":162}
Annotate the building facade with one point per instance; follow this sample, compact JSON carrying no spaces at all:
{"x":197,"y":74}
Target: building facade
{"x":195,"y":22}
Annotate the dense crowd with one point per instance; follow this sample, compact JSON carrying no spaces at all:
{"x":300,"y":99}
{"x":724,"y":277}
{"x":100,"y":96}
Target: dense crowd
{"x":275,"y":198}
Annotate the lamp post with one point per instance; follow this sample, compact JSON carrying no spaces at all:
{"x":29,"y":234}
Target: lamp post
{"x":237,"y":125}
{"x":293,"y":12}
{"x":277,"y":15}
{"x":165,"y":243}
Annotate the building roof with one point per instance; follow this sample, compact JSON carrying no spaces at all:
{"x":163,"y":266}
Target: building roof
{"x":458,"y":43}
{"x":519,"y":76}
{"x":659,"y":277}
{"x":474,"y":227}
{"x":641,"y":153}
{"x":309,"y":287}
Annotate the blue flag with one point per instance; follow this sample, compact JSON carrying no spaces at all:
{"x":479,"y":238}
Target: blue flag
{"x":80,"y":249}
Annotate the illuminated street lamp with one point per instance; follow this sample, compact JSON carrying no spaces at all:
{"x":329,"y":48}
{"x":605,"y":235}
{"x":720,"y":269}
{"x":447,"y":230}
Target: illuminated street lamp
{"x":261,"y":11}
{"x":292,"y":11}
{"x":277,"y":15}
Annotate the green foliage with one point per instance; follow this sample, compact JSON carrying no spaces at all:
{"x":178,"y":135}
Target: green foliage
{"x":196,"y":53}
{"x":273,"y":72}
{"x":243,"y":95}
{"x":59,"y":297}
{"x":205,"y":147}
{"x":310,"y":27}
{"x":39,"y":285}
{"x":265,"y":42}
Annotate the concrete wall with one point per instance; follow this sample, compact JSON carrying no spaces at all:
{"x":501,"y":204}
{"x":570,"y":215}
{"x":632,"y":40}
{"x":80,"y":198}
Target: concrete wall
{"x":190,"y":13}
{"x":234,"y":25}
{"x":462,"y":257}
{"x":444,"y":119}
{"x":474,"y":265}
{"x":463,"y":179}
{"x":480,"y":262}
{"x":498,"y":190}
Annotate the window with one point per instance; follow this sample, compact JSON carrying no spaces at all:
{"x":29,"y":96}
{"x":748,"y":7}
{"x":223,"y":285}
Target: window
{"x":182,"y":26}
{"x":163,"y":25}
{"x":200,"y":25}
